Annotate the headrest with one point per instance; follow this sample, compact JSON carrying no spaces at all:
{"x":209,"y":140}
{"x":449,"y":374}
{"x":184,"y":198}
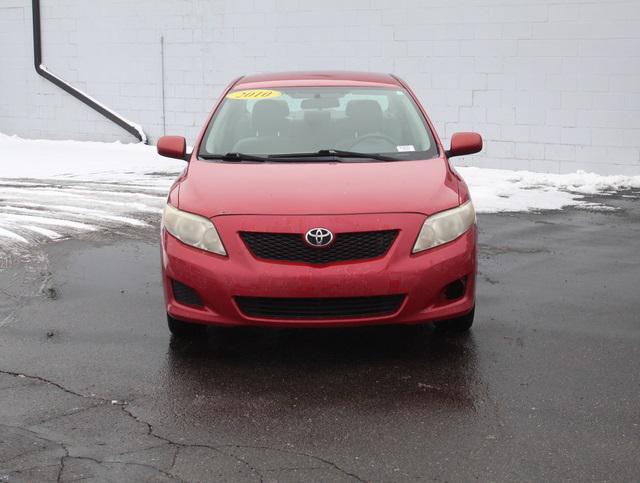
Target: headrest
{"x":317,"y":117}
{"x":364,"y":109}
{"x":365,"y":116}
{"x":269,"y":116}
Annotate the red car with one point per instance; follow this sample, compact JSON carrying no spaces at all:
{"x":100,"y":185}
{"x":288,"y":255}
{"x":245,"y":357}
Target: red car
{"x":319,"y":199}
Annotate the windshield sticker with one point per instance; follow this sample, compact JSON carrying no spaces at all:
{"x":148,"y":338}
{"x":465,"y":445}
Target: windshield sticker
{"x":404,"y":149}
{"x":254,"y":94}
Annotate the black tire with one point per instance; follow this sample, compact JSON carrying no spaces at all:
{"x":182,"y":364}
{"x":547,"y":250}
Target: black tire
{"x":180,"y":328}
{"x":458,"y":325}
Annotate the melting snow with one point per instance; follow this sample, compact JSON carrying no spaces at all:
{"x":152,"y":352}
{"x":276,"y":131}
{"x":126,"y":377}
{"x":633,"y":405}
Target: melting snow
{"x":497,"y":190}
{"x":55,"y":189}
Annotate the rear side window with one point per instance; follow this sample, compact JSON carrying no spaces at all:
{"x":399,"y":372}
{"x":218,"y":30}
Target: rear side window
{"x":308,"y":119}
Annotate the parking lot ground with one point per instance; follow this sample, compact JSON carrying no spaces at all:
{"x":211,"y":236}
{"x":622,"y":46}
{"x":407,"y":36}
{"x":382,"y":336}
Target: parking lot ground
{"x":546,"y":386}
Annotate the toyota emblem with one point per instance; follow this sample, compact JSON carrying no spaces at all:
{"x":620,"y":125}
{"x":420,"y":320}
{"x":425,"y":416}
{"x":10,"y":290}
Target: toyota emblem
{"x":318,"y":237}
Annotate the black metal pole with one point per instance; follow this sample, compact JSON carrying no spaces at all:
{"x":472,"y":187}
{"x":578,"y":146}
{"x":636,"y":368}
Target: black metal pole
{"x":81,"y":96}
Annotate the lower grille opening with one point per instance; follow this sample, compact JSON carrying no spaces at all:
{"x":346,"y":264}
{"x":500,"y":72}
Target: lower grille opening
{"x":319,"y":308}
{"x":185,"y":294}
{"x":456,"y":290}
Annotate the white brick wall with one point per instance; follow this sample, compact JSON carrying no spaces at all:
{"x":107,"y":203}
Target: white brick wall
{"x":552,"y":85}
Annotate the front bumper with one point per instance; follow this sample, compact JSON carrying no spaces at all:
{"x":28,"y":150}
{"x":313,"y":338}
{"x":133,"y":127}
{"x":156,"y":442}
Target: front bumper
{"x":422,"y":277}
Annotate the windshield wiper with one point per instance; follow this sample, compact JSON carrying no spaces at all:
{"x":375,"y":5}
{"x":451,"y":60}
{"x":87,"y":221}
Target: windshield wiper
{"x":235,"y":157}
{"x":334,"y":153}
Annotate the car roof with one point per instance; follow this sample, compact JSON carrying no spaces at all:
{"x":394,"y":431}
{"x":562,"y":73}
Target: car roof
{"x":317,"y":78}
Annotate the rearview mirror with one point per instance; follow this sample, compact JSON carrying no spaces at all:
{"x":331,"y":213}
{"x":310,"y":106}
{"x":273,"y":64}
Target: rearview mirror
{"x":463,"y":143}
{"x":172,"y":147}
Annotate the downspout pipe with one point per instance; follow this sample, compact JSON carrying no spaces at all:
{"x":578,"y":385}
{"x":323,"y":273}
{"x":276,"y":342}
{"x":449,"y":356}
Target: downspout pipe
{"x":41,"y":69}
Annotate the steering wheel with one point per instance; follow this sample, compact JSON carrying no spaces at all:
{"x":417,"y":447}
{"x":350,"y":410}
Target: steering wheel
{"x":378,"y":136}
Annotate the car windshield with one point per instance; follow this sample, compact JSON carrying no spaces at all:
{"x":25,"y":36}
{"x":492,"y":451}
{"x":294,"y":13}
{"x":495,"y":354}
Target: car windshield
{"x":284,"y":120}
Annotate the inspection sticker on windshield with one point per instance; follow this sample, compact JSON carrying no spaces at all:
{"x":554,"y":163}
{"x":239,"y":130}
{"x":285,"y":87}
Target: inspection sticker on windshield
{"x":404,"y":149}
{"x":254,"y":94}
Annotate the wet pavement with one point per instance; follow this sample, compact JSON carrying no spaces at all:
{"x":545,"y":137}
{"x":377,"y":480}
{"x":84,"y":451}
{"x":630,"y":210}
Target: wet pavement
{"x":545,"y":387}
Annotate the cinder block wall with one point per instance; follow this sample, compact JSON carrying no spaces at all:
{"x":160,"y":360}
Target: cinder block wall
{"x":553,"y":85}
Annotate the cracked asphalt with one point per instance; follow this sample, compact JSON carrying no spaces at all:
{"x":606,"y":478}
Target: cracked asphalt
{"x":545,"y":387}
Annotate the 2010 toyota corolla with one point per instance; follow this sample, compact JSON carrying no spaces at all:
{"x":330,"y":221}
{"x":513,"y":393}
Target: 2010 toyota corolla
{"x":319,"y":199}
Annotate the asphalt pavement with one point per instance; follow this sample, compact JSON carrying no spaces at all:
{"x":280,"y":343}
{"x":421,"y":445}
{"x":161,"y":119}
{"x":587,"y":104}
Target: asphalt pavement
{"x":545,"y":387}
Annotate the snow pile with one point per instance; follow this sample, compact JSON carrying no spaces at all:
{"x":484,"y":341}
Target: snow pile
{"x":56,"y":189}
{"x":496,"y":190}
{"x":83,"y":160}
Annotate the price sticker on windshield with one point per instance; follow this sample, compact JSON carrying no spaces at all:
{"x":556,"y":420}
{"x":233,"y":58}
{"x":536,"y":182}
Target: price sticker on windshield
{"x":254,"y":94}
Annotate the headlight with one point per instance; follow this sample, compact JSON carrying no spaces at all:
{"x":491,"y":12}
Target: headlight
{"x":445,"y":226}
{"x":192,"y":229}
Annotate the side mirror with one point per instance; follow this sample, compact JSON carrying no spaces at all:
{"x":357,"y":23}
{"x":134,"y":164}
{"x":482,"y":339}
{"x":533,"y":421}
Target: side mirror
{"x":463,"y":143}
{"x":172,"y":147}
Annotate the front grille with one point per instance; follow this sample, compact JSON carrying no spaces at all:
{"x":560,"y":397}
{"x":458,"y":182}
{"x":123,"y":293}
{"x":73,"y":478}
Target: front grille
{"x":291,"y":247}
{"x":185,"y":294}
{"x":319,"y":308}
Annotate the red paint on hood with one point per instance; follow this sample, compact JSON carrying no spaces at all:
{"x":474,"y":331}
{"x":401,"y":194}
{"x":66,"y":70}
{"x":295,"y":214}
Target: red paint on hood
{"x":214,"y":188}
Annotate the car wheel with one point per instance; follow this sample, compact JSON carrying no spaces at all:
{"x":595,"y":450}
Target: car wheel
{"x":458,"y":325}
{"x":184,"y":329}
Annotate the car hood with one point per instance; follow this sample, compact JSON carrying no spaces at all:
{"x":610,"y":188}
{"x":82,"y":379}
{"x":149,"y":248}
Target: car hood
{"x":213,"y":188}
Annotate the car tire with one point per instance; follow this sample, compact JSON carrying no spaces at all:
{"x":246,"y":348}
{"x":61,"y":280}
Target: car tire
{"x":459,"y":325}
{"x":180,"y":328}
